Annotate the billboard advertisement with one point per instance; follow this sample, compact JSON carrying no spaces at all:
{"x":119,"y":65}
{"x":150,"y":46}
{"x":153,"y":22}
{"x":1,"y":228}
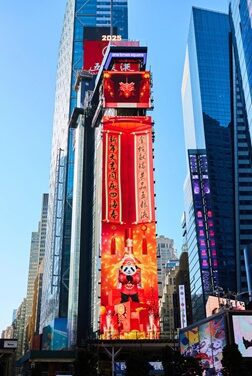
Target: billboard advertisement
{"x":94,"y":53}
{"x":205,"y":342}
{"x":126,"y":88}
{"x":214,"y":303}
{"x":204,"y":220}
{"x":55,"y":335}
{"x":182,"y":306}
{"x":129,"y":292}
{"x":242,"y":328}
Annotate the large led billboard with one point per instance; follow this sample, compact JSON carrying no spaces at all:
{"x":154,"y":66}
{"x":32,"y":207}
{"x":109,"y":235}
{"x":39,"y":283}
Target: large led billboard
{"x":242,"y":329}
{"x":205,"y":227}
{"x":129,"y":289}
{"x":94,"y":53}
{"x":127,"y":88}
{"x":205,"y":342}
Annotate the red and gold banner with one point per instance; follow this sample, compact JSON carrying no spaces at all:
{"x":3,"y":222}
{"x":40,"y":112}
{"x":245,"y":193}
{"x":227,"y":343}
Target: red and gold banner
{"x":143,"y":177}
{"x":129,"y":289}
{"x":126,"y":66}
{"x":112,"y":176}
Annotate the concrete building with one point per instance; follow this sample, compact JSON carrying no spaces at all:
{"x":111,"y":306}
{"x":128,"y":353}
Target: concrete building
{"x":165,"y":252}
{"x":37,"y":252}
{"x":166,"y":303}
{"x":19,"y":329}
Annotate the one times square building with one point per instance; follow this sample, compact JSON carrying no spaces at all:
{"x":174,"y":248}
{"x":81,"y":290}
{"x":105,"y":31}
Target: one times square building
{"x":216,"y":99}
{"x":84,"y":19}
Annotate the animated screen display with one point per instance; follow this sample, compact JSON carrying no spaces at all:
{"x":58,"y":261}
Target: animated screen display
{"x":242,"y":326}
{"x":126,"y":88}
{"x":205,"y":342}
{"x":129,"y":289}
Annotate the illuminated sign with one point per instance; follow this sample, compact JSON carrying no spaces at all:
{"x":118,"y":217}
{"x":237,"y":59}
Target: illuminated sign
{"x":124,"y":65}
{"x":204,"y":220}
{"x":182,"y":306}
{"x":112,"y":177}
{"x":129,"y":289}
{"x":141,"y":56}
{"x":242,"y":328}
{"x":127,"y":89}
{"x":205,"y":342}
{"x":93,"y":56}
{"x":112,"y":38}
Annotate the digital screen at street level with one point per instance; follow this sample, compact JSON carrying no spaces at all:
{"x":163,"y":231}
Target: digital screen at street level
{"x":205,"y":342}
{"x":129,"y":289}
{"x":242,"y":326}
{"x":126,"y":88}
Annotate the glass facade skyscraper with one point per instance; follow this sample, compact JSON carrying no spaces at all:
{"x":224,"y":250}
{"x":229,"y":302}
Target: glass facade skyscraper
{"x":219,"y":163}
{"x":79,"y":14}
{"x":37,"y":252}
{"x":241,"y":14}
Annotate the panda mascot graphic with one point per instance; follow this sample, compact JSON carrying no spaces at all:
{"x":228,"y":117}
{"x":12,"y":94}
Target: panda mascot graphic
{"x":130,"y":279}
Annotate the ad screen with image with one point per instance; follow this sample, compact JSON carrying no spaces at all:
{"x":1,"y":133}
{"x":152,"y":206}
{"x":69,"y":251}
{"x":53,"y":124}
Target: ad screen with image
{"x":243,"y":334}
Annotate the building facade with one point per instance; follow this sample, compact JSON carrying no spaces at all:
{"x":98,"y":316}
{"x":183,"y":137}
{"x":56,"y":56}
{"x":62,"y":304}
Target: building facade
{"x":20,"y":329}
{"x":166,"y":303}
{"x":79,"y":14}
{"x":37,"y":252}
{"x":8,"y":332}
{"x":165,"y":251}
{"x":33,"y":269}
{"x":218,"y":148}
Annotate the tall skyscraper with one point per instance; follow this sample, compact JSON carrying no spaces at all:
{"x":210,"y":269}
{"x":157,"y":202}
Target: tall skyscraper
{"x":241,"y":15}
{"x":19,"y":328}
{"x":37,"y":252}
{"x":33,"y":269}
{"x":165,"y":252}
{"x":108,"y":16}
{"x":166,"y":303}
{"x":218,"y":150}
{"x":113,"y":269}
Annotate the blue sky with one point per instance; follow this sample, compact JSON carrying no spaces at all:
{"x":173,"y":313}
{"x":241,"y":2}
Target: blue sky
{"x":29,"y":38}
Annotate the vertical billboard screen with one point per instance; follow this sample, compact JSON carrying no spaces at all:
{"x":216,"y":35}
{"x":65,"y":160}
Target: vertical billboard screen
{"x":129,"y":289}
{"x":204,"y":220}
{"x":205,"y":342}
{"x":242,"y":327}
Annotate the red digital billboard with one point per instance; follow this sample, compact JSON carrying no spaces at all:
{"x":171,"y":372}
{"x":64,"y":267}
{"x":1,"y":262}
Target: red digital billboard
{"x":126,"y":89}
{"x":94,"y":53}
{"x":129,"y":290}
